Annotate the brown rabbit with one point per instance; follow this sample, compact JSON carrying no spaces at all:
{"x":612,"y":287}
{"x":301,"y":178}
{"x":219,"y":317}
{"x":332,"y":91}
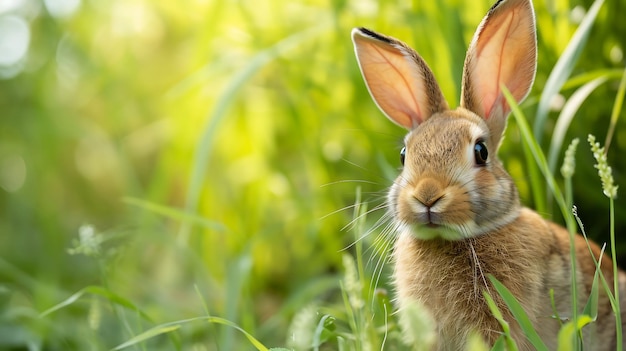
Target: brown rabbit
{"x":457,"y":211}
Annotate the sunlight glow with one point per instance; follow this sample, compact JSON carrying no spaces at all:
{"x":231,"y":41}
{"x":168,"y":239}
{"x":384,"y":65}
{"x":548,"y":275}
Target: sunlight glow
{"x":14,"y":40}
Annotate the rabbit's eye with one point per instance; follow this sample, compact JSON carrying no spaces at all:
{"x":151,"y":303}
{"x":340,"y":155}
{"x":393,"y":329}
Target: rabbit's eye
{"x":402,"y":155}
{"x":480,"y":153}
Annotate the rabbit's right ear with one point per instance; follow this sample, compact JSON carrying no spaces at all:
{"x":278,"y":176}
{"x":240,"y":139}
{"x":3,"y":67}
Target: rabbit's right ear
{"x":398,"y":79}
{"x":503,"y":52}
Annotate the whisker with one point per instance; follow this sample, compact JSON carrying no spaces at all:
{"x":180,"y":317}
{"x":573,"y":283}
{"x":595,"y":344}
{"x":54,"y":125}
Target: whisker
{"x":477,"y":269}
{"x":354,"y":164}
{"x":345,"y":208}
{"x":369,"y":231}
{"x":387,"y":232}
{"x":349,"y":181}
{"x":357,"y":218}
{"x":380,"y":264}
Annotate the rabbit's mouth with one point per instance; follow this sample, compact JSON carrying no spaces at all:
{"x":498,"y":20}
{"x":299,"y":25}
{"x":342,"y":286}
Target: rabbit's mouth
{"x":429,"y":218}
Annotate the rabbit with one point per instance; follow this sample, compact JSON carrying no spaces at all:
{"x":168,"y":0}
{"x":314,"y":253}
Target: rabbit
{"x":456,"y":211}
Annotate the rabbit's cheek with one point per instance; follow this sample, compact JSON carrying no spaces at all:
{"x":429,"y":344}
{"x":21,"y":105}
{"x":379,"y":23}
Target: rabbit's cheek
{"x":494,"y":199}
{"x":458,"y":207}
{"x":408,"y":210}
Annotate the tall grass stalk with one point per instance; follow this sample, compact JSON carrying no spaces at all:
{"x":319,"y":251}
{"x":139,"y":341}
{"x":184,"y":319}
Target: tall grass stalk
{"x":564,"y":202}
{"x":552,"y":185}
{"x":567,"y":171}
{"x":610,"y":190}
{"x":591,"y":308}
{"x":360,"y":214}
{"x":355,"y":275}
{"x":363,"y":304}
{"x":617,"y":311}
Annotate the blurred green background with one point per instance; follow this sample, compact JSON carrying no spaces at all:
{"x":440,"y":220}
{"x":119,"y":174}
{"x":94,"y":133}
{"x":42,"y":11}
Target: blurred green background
{"x":203,"y":156}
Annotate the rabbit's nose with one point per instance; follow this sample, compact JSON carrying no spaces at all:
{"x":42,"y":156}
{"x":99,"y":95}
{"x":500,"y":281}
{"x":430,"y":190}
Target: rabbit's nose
{"x":428,"y":192}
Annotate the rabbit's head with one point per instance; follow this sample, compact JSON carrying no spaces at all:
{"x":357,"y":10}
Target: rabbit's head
{"x":452,"y":185}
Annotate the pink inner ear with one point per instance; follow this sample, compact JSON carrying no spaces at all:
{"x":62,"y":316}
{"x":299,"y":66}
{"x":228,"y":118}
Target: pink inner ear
{"x":498,"y":105}
{"x":399,"y":81}
{"x":389,"y":79}
{"x":503,"y":53}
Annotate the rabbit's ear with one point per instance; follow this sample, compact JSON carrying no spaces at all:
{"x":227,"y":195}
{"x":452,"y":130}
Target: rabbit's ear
{"x":398,"y":79}
{"x":503,"y":52}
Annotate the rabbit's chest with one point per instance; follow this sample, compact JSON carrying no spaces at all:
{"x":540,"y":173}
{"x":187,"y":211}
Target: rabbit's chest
{"x":449,"y":279}
{"x":448,"y":282}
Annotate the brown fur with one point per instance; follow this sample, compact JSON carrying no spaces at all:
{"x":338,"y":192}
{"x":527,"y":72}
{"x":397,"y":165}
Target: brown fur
{"x":529,"y":256}
{"x":457,"y":214}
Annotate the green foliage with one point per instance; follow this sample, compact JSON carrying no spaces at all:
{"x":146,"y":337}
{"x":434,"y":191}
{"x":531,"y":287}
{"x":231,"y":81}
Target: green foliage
{"x":518,"y":313}
{"x":506,"y":338}
{"x":175,"y":173}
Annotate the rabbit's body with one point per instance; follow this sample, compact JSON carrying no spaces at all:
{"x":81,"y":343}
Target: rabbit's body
{"x":456,"y":209}
{"x":529,"y":256}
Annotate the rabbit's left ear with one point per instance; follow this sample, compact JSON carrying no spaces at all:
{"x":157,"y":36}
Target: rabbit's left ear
{"x":503,"y":52}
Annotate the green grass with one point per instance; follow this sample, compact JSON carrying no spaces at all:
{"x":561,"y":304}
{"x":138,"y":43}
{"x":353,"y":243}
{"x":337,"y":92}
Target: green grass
{"x":183,"y":175}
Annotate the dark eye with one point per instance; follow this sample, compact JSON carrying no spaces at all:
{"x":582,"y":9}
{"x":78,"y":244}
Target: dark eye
{"x":480,"y":153}
{"x":402,"y":155}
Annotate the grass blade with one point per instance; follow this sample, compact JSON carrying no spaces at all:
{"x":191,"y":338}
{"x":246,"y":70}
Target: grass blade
{"x":520,"y":315}
{"x":591,"y":309}
{"x":558,"y":195}
{"x":499,"y":345}
{"x":617,"y":108}
{"x":616,"y":306}
{"x":238,"y":273}
{"x":586,"y":77}
{"x":318,"y":339}
{"x":506,"y":330}
{"x":539,"y":157}
{"x":173,"y":213}
{"x":563,"y":68}
{"x":173,"y":326}
{"x":568,"y":335}
{"x":99,"y":291}
{"x":149,"y":334}
{"x":565,"y":118}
